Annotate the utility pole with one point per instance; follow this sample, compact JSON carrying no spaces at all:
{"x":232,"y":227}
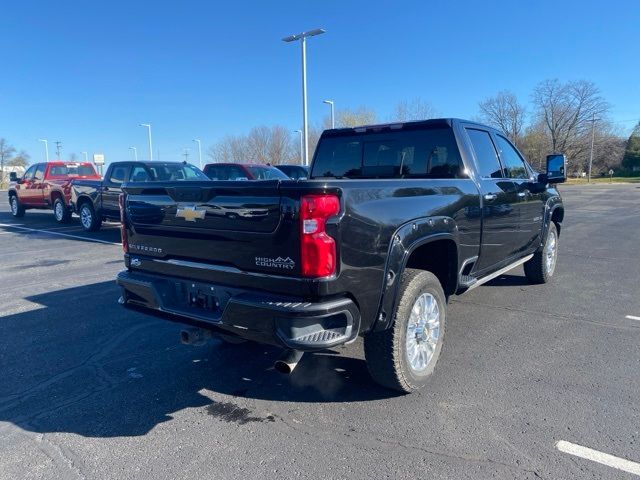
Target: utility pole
{"x":186,"y":155}
{"x":58,"y":148}
{"x":593,"y":137}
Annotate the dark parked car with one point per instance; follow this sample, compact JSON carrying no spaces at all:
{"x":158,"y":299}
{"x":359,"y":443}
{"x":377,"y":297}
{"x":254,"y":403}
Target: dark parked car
{"x":98,"y":200}
{"x":297,"y":172}
{"x":393,"y":221}
{"x":243,"y":171}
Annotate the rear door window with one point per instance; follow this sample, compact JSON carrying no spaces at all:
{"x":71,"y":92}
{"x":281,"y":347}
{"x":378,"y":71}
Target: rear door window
{"x":118,"y":174}
{"x":485,"y":152}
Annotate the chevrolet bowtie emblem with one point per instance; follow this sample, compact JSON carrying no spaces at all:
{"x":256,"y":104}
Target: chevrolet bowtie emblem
{"x":190,"y":213}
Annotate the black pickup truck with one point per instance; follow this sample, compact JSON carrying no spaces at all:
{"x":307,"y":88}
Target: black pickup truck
{"x":97,"y":200}
{"x":393,"y":220}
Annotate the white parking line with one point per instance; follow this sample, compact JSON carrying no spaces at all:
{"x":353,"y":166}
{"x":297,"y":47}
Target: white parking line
{"x":88,"y":239}
{"x":631,"y":317}
{"x":599,"y":457}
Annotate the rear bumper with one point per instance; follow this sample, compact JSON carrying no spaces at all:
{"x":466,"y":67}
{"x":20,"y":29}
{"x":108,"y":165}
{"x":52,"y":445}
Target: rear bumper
{"x":276,"y":320}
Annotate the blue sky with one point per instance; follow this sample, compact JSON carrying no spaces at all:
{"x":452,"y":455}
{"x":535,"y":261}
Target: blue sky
{"x":87,"y":73}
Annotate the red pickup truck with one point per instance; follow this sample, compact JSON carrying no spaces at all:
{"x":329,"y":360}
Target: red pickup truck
{"x":48,"y":186}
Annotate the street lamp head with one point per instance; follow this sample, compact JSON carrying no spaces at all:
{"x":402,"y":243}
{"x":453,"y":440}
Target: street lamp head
{"x":145,"y":125}
{"x":298,"y":36}
{"x":328,"y":102}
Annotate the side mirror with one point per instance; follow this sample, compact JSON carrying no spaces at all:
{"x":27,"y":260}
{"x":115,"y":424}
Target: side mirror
{"x":556,"y":168}
{"x":13,"y":177}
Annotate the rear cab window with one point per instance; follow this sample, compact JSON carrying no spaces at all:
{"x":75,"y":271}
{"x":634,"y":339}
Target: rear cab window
{"x":81,"y":170}
{"x":225,"y":172}
{"x":427,"y":152}
{"x":486,"y":155}
{"x":259,"y":172}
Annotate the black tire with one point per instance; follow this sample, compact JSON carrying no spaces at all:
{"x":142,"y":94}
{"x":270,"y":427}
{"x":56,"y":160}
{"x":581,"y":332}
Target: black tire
{"x":17,"y":210}
{"x":61,"y":212}
{"x":88,"y":218}
{"x":539,"y":269}
{"x":386,"y":351}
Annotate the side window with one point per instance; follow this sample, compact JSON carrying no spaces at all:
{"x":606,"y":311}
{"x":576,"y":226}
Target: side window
{"x":139,"y":174}
{"x":118,"y":174}
{"x":28,"y":175}
{"x":39,"y":175}
{"x":486,"y":155}
{"x":513,"y":163}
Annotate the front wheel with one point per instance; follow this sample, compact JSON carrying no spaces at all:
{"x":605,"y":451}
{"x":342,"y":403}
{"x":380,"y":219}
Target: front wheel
{"x":88,"y":218}
{"x":404,"y":356}
{"x":541,"y":267}
{"x":60,"y":211}
{"x":17,"y":210}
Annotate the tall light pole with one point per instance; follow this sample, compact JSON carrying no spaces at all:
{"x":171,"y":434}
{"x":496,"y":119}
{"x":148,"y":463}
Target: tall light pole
{"x":199,"y":151}
{"x":593,"y":137}
{"x":150,"y":144}
{"x":86,"y":156}
{"x":333,"y":118}
{"x":303,"y":42}
{"x":46,"y":148}
{"x":135,"y":153}
{"x":301,"y":146}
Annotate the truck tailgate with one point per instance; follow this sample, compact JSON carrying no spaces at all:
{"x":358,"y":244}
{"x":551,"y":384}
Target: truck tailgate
{"x":245,"y":225}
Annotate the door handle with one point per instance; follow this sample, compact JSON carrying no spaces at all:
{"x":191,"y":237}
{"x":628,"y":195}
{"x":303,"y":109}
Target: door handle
{"x":490,"y":197}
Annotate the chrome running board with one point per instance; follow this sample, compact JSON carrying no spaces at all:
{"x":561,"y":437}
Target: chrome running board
{"x":499,"y":272}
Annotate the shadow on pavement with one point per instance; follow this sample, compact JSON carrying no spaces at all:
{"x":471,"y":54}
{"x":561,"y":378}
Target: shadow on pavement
{"x":509,"y":281}
{"x":80,"y":363}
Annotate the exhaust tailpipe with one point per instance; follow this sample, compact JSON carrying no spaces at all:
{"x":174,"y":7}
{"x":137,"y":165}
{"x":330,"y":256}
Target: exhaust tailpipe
{"x":288,"y":361}
{"x":195,"y":336}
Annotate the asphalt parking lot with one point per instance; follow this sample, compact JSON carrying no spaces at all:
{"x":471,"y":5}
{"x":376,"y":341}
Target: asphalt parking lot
{"x":90,"y":390}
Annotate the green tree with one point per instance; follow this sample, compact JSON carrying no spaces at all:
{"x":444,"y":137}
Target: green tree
{"x":631,"y":158}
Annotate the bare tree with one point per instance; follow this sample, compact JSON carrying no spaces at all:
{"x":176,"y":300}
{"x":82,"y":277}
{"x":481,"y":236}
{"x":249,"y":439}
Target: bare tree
{"x":20,"y":160}
{"x":506,"y":114}
{"x":536,"y":145}
{"x":261,"y":145}
{"x":567,"y":111}
{"x":6,"y":152}
{"x":416,"y":109}
{"x":355,"y":117}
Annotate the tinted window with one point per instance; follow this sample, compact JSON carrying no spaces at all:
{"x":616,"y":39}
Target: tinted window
{"x":72,"y":171}
{"x":139,"y":174}
{"x":28,"y":175}
{"x":266,"y":173}
{"x":118,"y":175}
{"x":294,"y":171}
{"x":426,"y":153}
{"x":513,"y":163}
{"x":39,"y":175}
{"x":225,"y":172}
{"x":169,"y":172}
{"x":486,"y":156}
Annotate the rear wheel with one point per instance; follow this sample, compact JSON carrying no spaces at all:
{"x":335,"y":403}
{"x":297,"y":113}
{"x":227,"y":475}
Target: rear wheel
{"x":541,"y":267}
{"x":17,"y":210}
{"x":88,"y":218}
{"x":405,"y":355}
{"x":60,"y":211}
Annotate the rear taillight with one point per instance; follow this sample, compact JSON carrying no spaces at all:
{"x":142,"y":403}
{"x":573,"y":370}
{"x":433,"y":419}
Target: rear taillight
{"x":123,"y":223}
{"x":318,"y":250}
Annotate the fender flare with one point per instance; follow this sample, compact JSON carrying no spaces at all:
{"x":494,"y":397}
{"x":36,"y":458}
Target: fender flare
{"x":552,"y":204}
{"x":405,"y":240}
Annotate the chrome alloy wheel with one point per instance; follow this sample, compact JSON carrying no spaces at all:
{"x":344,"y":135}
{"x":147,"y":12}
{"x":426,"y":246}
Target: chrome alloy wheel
{"x":85,"y":217}
{"x":423,"y":331}
{"x":551,"y":252}
{"x":59,"y":211}
{"x":14,"y":205}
